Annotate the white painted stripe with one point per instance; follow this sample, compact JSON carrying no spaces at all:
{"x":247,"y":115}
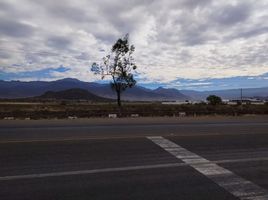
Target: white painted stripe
{"x":114,"y":137}
{"x":239,"y":187}
{"x":239,"y":160}
{"x":93,"y":171}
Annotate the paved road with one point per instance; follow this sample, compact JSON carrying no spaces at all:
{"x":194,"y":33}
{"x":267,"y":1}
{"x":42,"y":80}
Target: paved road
{"x":208,"y":160}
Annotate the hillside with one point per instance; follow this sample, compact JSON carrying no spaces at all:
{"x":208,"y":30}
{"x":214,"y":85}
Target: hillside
{"x":171,"y":93}
{"x":71,"y":94}
{"x":20,"y":89}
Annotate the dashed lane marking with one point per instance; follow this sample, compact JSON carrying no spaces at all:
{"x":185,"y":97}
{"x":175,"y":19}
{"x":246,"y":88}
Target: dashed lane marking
{"x":236,"y":185}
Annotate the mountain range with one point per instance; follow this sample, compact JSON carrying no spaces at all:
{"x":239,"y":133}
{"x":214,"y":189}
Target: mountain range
{"x":71,"y":94}
{"x":21,"y":89}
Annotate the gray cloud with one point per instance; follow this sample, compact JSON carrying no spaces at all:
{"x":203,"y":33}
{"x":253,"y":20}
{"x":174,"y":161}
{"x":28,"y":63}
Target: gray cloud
{"x":251,"y":33}
{"x":185,"y":56}
{"x":195,"y":3}
{"x":4,"y":6}
{"x":232,"y":14}
{"x":65,"y":11}
{"x":4,"y":55}
{"x":211,"y":38}
{"x":59,"y":42}
{"x":13,"y":28}
{"x":70,"y":13}
{"x":83,"y":56}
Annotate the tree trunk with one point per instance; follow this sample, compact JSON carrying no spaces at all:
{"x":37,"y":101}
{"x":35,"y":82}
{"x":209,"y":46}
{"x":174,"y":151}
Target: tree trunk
{"x":118,"y":92}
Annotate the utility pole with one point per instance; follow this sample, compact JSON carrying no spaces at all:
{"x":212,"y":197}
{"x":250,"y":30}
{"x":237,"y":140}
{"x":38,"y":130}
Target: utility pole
{"x":241,"y":96}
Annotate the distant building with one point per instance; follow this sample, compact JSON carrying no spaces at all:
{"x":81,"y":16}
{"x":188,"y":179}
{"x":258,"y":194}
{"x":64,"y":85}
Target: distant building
{"x":245,"y":101}
{"x":253,"y":101}
{"x":180,"y":102}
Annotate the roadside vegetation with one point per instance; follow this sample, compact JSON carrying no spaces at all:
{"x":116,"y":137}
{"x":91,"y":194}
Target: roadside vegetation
{"x":65,"y":109}
{"x":214,"y":100}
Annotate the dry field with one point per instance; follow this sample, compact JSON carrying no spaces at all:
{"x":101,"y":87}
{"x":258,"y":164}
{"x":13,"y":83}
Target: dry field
{"x":48,"y":110}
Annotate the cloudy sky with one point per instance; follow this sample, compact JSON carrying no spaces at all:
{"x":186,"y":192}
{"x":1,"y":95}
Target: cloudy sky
{"x":186,"y":44}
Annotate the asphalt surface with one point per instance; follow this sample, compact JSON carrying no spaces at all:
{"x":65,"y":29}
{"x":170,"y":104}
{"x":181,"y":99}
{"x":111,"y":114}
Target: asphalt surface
{"x":120,"y":161}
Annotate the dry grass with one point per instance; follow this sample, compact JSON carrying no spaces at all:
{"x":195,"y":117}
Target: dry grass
{"x":39,"y":110}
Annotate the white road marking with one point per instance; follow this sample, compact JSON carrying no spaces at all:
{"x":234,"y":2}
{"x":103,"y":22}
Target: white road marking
{"x":92,"y":171}
{"x":118,"y":169}
{"x":239,"y":187}
{"x":113,"y":137}
{"x":239,"y":160}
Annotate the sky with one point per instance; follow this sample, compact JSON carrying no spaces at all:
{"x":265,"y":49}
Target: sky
{"x":184,"y":44}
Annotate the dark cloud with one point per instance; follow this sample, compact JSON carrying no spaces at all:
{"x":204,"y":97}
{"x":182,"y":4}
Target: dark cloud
{"x":187,"y":32}
{"x":15,"y":28}
{"x":232,"y":14}
{"x":83,"y":56}
{"x":185,"y":56}
{"x":68,"y":12}
{"x":4,"y":6}
{"x":195,"y":3}
{"x":251,"y":33}
{"x":59,"y":42}
{"x":106,"y":37}
{"x":193,"y":39}
{"x":196,"y":35}
{"x":4,"y":55}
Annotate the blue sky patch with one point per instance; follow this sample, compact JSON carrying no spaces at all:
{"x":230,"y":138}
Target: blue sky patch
{"x":38,"y":75}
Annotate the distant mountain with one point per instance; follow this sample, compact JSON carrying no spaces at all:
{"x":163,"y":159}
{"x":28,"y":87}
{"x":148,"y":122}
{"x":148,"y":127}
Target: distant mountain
{"x":171,"y":93}
{"x":228,"y":94}
{"x":71,"y":94}
{"x":196,"y":95}
{"x":20,"y":89}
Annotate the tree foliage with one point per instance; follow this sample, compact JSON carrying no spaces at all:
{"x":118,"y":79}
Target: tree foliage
{"x":214,"y":100}
{"x":119,"y":65}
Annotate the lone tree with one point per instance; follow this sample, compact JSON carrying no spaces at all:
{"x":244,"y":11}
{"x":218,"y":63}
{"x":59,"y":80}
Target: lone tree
{"x":214,"y":100}
{"x":119,"y":65}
